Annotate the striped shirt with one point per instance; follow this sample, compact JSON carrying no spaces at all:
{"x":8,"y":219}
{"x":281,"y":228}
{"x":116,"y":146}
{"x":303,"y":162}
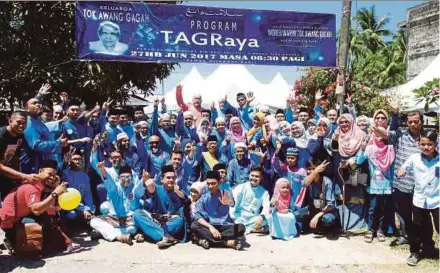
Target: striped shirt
{"x":405,"y":146}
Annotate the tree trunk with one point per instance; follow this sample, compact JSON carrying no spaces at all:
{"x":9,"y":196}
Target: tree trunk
{"x":343,"y":50}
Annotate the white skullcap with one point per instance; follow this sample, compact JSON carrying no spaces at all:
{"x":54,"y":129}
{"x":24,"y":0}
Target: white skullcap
{"x":142,"y":122}
{"x":58,"y":108}
{"x":264,"y":108}
{"x":187,"y":114}
{"x":219,"y":119}
{"x":240,"y":145}
{"x":121,"y":136}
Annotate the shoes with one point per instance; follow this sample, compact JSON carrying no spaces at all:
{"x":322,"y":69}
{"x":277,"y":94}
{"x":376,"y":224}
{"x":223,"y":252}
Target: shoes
{"x":9,"y":246}
{"x":204,"y":243}
{"x":95,"y":235}
{"x":400,"y":241}
{"x":126,"y":239}
{"x":368,"y":238}
{"x":413,"y":259}
{"x":380,"y":237}
{"x":430,"y":253}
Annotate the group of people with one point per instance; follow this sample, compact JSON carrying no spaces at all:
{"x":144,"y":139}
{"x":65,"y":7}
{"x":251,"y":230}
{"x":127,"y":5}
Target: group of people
{"x":215,"y":175}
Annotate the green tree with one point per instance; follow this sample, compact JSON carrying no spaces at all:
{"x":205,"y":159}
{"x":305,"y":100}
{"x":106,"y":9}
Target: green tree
{"x":37,"y":45}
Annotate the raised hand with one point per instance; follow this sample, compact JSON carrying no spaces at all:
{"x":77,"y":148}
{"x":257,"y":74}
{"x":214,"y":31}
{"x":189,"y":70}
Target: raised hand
{"x":364,"y":143}
{"x":95,"y":142}
{"x":107,"y":103}
{"x":322,"y":166}
{"x":348,"y":100}
{"x":250,"y":96}
{"x":224,"y":199}
{"x":177,"y":141}
{"x":60,"y":189}
{"x":156,"y":102}
{"x":337,"y":133}
{"x":44,"y":89}
{"x":145,"y":176}
{"x":162,"y":101}
{"x":318,"y":95}
{"x":320,"y":131}
{"x":394,"y":105}
{"x":68,"y":156}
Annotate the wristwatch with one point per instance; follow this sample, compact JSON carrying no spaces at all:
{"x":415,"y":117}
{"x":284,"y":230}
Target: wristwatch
{"x":54,"y":194}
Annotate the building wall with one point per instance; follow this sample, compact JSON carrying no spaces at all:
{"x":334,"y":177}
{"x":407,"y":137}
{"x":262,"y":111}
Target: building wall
{"x":422,"y":28}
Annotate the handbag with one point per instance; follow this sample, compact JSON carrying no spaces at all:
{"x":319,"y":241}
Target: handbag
{"x":29,"y":236}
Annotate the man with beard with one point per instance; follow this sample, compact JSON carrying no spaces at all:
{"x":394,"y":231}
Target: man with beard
{"x":166,"y":132}
{"x":12,"y":144}
{"x":116,"y":161}
{"x":156,"y":158}
{"x":195,"y":107}
{"x":205,"y":161}
{"x":36,"y":204}
{"x":131,"y":158}
{"x":76,"y":177}
{"x":75,"y":128}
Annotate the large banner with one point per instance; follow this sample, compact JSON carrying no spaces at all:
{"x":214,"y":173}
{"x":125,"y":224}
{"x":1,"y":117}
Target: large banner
{"x":142,"y":32}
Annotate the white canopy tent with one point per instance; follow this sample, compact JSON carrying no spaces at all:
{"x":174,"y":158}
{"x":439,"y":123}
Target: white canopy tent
{"x":405,"y":91}
{"x":228,"y":80}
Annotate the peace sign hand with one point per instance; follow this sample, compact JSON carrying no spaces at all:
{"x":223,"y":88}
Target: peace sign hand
{"x":322,"y":166}
{"x":349,"y":101}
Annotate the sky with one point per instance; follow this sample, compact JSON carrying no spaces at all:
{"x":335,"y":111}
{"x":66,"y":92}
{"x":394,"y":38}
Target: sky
{"x":396,"y":10}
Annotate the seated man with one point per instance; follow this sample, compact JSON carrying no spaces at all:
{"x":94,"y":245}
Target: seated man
{"x":163,"y":220}
{"x":252,"y":204}
{"x":124,"y":199}
{"x":31,"y":207}
{"x":78,"y":179}
{"x":322,"y":198}
{"x":212,"y":222}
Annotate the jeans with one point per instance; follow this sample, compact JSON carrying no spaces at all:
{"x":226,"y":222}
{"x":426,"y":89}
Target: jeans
{"x":155,"y":232}
{"x":378,"y":213}
{"x":403,"y":206}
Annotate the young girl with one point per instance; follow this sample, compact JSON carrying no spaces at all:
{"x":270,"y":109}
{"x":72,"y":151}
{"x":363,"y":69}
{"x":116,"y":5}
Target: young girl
{"x":282,"y":222}
{"x":426,"y":198}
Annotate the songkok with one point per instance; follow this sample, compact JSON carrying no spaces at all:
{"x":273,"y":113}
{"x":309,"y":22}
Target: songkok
{"x":49,"y":164}
{"x":167,"y":169}
{"x":292,"y":152}
{"x":77,"y":152}
{"x":121,"y":136}
{"x":241,"y":95}
{"x":219,"y":119}
{"x":213,"y":175}
{"x":240,"y":145}
{"x":125,"y":169}
{"x":279,"y":111}
{"x":187,"y":114}
{"x":219,"y":166}
{"x":212,"y":138}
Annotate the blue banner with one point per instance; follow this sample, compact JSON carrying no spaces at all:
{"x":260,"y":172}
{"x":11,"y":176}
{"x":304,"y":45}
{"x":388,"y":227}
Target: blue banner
{"x":142,"y":32}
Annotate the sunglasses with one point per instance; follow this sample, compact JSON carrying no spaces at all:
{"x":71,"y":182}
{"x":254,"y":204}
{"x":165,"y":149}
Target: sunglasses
{"x":382,"y":118}
{"x":154,"y":142}
{"x":344,"y":122}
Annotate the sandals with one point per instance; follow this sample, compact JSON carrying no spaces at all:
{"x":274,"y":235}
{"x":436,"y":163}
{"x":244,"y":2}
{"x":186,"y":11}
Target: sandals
{"x":380,"y":237}
{"x":166,"y":242}
{"x":139,"y":238}
{"x":126,"y":239}
{"x":73,"y":248}
{"x":204,"y":243}
{"x":368,"y":238}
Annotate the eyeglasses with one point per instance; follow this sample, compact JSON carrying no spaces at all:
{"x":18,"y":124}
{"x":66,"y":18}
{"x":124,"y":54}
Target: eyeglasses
{"x":154,"y":142}
{"x":382,"y":118}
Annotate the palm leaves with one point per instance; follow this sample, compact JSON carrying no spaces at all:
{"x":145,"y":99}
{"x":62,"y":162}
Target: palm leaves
{"x":428,"y":94}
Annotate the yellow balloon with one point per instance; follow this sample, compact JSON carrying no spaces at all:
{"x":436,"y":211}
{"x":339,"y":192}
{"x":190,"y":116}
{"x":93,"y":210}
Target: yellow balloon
{"x":70,"y":199}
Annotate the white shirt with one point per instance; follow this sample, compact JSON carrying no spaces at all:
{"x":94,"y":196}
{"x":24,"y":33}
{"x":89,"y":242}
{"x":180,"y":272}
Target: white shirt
{"x":426,"y":178}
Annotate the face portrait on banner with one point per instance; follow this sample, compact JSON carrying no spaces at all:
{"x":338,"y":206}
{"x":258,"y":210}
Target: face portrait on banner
{"x":108,"y":44}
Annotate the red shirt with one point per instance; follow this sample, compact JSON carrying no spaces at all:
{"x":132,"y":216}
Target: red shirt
{"x":27,"y":195}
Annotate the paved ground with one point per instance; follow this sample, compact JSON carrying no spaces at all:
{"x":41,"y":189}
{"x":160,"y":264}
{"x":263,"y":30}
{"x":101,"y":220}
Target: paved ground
{"x":309,"y":253}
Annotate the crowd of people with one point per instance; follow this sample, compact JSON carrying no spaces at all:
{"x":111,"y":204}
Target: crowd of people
{"x":213,"y":176}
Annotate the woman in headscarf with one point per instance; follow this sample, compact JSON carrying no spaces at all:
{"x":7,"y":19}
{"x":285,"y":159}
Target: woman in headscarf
{"x":363,"y":123}
{"x":346,"y":143}
{"x":299,"y":135}
{"x":237,"y":134}
{"x":311,"y":127}
{"x":281,"y":221}
{"x":204,"y":130}
{"x":258,"y":131}
{"x":380,"y":154}
{"x":319,"y":145}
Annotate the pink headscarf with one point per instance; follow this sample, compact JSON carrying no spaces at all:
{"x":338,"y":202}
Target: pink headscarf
{"x":350,"y":142}
{"x":239,"y":136}
{"x":273,"y":124}
{"x":380,"y":154}
{"x":283,"y":199}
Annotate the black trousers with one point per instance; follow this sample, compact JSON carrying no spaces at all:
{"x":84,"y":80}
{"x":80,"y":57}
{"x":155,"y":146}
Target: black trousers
{"x":421,"y":230}
{"x":228,"y":232}
{"x":403,"y":206}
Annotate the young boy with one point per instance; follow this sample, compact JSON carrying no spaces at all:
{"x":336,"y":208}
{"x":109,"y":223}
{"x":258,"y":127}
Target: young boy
{"x":426,"y":200}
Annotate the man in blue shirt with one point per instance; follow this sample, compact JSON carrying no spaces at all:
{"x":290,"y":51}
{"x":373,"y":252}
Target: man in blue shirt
{"x":212,"y":224}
